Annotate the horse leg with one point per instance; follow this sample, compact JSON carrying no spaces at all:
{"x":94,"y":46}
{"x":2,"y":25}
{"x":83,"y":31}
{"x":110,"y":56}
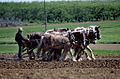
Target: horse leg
{"x":24,"y":49}
{"x":38,"y":52}
{"x":40,"y":46}
{"x":43,"y":56}
{"x":50,"y":54}
{"x":70,"y":55}
{"x":62,"y":58}
{"x":86,"y":55}
{"x":75,"y":54}
{"x":27,"y":51}
{"x":58,"y":54}
{"x":79,"y":54}
{"x":91,"y":52}
{"x":31,"y":54}
{"x":55,"y":53}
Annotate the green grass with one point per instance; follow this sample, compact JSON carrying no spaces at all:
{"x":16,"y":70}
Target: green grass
{"x":8,"y":49}
{"x":107,"y":52}
{"x":13,"y":49}
{"x":110,"y":31}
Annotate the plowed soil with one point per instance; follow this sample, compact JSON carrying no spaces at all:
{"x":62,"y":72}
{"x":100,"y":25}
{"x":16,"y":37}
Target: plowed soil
{"x":101,"y":68}
{"x":105,"y":67}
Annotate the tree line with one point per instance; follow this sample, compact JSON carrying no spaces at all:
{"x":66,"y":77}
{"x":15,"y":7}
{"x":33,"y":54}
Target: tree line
{"x":62,"y":11}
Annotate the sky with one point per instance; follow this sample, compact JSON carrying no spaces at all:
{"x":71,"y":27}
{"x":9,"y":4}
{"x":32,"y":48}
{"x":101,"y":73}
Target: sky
{"x":31,"y":0}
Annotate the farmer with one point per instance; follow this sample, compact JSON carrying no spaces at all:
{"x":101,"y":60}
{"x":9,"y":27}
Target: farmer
{"x":20,"y":39}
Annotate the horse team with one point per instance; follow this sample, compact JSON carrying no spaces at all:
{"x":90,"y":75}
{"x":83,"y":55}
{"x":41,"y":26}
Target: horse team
{"x":62,"y":43}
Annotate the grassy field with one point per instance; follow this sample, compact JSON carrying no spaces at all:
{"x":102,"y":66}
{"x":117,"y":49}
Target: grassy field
{"x":110,"y":31}
{"x":106,"y":52}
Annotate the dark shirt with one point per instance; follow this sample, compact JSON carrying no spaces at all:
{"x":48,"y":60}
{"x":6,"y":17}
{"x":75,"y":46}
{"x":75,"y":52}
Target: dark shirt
{"x":19,"y":38}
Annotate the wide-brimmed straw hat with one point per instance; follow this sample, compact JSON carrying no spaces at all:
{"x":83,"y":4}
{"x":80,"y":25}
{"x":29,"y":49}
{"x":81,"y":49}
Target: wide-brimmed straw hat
{"x":20,"y":29}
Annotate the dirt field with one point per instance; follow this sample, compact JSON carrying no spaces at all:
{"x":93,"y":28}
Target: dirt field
{"x":60,"y":73}
{"x":102,"y":68}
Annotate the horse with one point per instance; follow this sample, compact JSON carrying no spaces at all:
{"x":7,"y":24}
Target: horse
{"x":76,"y":38}
{"x":58,"y":42}
{"x":56,"y":53}
{"x":79,"y":42}
{"x":32,"y":43}
{"x":92,"y":34}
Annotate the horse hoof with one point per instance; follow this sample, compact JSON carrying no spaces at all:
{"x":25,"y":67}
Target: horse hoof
{"x":80,"y":59}
{"x":89,"y":58}
{"x":32,"y":58}
{"x":74,"y":60}
{"x":93,"y":58}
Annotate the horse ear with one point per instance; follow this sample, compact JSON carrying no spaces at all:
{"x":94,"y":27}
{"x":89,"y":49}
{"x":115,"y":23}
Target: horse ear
{"x":99,"y":26}
{"x":67,"y":28}
{"x":54,"y":29}
{"x":28,"y":36}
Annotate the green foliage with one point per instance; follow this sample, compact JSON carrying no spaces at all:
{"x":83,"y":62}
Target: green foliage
{"x":59,"y":12}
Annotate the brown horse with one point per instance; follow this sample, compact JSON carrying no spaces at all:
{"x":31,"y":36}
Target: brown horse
{"x":32,"y":43}
{"x":56,"y":53}
{"x":51,"y":41}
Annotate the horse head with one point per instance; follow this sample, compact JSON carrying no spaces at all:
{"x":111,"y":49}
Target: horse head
{"x":97,"y":28}
{"x":93,"y":34}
